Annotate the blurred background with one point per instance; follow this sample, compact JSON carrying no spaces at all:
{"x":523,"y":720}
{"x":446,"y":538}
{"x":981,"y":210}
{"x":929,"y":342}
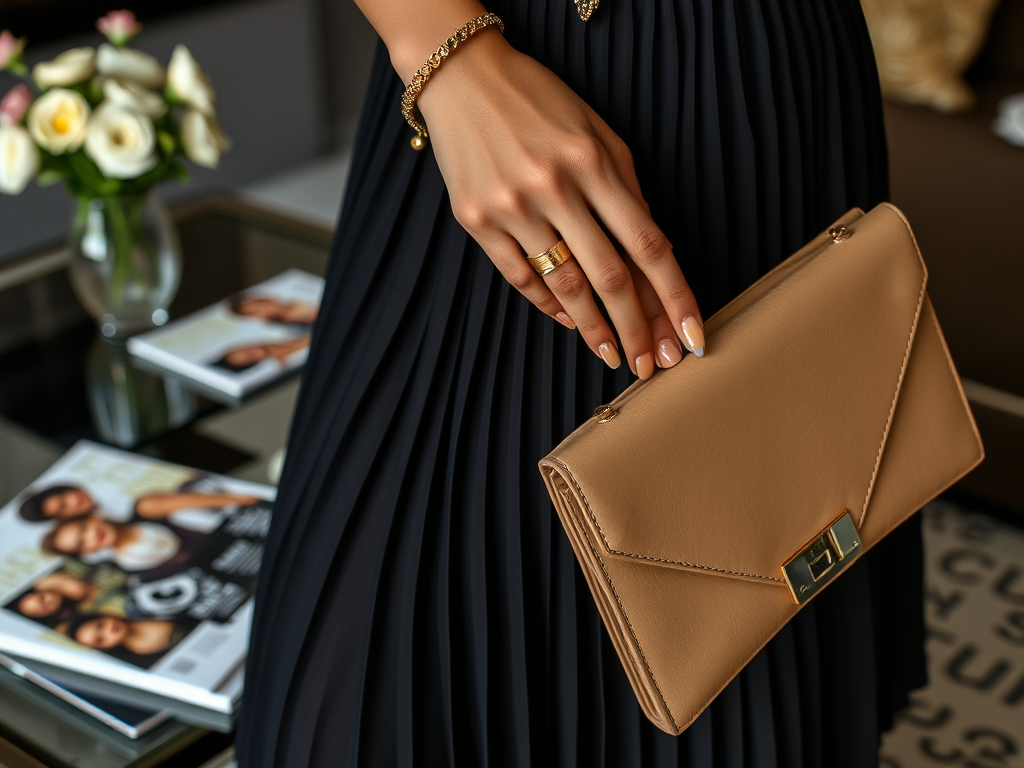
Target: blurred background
{"x":290,"y":77}
{"x":290,"y":74}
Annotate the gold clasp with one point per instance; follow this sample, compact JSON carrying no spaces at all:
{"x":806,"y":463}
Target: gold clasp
{"x":605,"y":413}
{"x":826,"y":555}
{"x":838,"y":233}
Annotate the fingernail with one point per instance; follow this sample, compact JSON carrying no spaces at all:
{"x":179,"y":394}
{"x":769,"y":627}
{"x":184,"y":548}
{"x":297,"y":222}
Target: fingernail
{"x":693,"y":333}
{"x":645,"y":366}
{"x":669,"y":353}
{"x":609,"y":354}
{"x":565,"y":320}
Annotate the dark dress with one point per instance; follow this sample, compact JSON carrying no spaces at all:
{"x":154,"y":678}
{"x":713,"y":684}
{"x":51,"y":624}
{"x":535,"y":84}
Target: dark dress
{"x":419,"y":604}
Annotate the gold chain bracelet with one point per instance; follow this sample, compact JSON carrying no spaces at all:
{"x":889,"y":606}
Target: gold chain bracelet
{"x":409,"y":111}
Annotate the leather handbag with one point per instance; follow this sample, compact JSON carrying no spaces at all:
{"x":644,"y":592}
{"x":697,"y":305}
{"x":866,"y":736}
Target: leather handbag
{"x":710,"y":502}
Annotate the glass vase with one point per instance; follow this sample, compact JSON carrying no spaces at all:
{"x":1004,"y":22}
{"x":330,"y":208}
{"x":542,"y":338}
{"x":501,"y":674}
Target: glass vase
{"x":125,"y":261}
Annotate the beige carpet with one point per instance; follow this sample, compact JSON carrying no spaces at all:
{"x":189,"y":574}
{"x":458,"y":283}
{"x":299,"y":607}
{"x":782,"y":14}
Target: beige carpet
{"x":972,"y":713}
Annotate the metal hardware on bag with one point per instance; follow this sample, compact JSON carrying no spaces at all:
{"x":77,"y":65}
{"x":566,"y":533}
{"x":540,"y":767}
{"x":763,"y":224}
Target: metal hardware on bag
{"x":605,"y":413}
{"x":839,"y":233}
{"x":818,"y":562}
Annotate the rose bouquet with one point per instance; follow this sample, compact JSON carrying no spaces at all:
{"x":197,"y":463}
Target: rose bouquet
{"x":111,"y":123}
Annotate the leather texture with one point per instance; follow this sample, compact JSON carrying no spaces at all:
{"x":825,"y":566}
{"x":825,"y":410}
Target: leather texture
{"x":826,"y":386}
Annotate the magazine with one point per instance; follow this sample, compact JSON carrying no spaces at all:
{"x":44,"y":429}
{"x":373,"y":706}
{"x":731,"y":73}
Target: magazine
{"x":221,"y":719}
{"x":241,"y":344}
{"x":132,"y":721}
{"x":135,"y":573}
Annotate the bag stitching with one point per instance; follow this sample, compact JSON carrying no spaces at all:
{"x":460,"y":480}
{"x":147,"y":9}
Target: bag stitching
{"x":611,"y":585}
{"x":903,"y":366}
{"x":647,"y":557}
{"x":692,"y":565}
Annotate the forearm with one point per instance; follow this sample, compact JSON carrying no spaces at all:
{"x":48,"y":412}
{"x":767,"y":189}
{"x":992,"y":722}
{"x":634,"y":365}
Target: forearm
{"x":160,"y":506}
{"x":413,"y":29}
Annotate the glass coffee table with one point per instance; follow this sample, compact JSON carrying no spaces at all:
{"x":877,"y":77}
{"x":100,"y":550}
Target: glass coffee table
{"x":60,"y":381}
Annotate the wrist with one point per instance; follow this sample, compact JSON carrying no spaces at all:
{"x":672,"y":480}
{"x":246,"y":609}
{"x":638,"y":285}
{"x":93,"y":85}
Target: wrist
{"x":410,"y":42}
{"x":475,"y":61}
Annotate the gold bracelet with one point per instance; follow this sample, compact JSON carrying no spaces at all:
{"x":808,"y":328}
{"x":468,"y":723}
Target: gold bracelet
{"x":409,"y":111}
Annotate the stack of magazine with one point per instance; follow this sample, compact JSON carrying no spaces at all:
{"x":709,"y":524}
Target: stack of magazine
{"x":239,"y":345}
{"x":126,"y":587}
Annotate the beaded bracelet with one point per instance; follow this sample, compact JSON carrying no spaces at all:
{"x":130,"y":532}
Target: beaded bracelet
{"x":409,"y":111}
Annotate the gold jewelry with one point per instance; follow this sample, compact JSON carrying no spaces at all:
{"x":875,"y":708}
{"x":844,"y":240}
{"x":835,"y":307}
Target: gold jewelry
{"x":586,"y":7}
{"x":463,"y":33}
{"x":551,"y":259}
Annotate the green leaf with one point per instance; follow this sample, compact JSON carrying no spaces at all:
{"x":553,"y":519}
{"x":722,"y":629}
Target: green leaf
{"x":167,"y":142}
{"x":77,"y":188}
{"x":178,"y":172}
{"x":108,"y":187}
{"x":49,"y":177}
{"x":95,"y":91}
{"x":86,"y":169}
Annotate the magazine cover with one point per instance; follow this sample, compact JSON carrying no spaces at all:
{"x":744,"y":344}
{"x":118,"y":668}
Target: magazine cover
{"x":134,"y":571}
{"x":242,"y":343}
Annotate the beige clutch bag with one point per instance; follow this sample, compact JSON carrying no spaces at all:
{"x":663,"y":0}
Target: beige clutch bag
{"x":708,"y":503}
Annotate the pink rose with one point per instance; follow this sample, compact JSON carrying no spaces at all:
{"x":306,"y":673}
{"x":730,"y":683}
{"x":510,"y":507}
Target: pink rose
{"x":15,"y":104}
{"x":10,"y":49}
{"x":119,"y":27}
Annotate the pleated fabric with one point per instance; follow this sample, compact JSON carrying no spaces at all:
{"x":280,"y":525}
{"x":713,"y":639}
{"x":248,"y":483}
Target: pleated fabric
{"x":419,"y":604}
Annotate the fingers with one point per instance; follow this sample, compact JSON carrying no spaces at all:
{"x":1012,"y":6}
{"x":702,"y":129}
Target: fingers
{"x":611,"y":278}
{"x":571,"y":289}
{"x":508,"y":257}
{"x":647,"y":246}
{"x":667,"y":350}
{"x":590,"y":179}
{"x":621,"y":207}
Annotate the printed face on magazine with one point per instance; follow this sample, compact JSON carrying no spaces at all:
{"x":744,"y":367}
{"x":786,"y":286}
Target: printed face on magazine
{"x":102,"y":633}
{"x":36,"y":605}
{"x":70,"y":503}
{"x":57,"y":502}
{"x":85,"y":536}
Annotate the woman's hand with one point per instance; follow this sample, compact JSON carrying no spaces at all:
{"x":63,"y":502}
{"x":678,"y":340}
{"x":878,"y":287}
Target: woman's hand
{"x":526,"y":163}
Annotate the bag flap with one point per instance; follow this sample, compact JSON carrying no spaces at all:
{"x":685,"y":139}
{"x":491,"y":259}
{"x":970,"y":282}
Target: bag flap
{"x":730,"y":463}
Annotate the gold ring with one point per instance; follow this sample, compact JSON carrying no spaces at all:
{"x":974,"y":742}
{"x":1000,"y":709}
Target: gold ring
{"x":551,"y":259}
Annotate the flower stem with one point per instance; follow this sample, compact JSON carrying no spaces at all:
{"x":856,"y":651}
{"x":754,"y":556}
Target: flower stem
{"x":122,"y":240}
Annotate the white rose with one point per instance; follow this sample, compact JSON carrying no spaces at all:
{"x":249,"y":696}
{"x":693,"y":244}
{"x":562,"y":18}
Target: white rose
{"x":19,"y":159}
{"x":188,"y":82}
{"x":203,"y":139}
{"x":130,"y":64}
{"x":122,"y":142}
{"x":57,"y":120}
{"x":70,"y":67}
{"x":134,"y":97}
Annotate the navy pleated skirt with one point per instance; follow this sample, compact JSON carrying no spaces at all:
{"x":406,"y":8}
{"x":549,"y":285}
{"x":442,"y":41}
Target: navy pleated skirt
{"x":419,"y":604}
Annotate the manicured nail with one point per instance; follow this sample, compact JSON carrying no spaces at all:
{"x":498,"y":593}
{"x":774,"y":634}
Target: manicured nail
{"x":693,"y":333}
{"x":609,"y":354}
{"x":565,"y":320}
{"x":645,"y":366}
{"x":669,"y":353}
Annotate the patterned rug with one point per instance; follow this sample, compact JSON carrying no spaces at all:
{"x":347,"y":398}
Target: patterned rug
{"x":972,"y":713}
